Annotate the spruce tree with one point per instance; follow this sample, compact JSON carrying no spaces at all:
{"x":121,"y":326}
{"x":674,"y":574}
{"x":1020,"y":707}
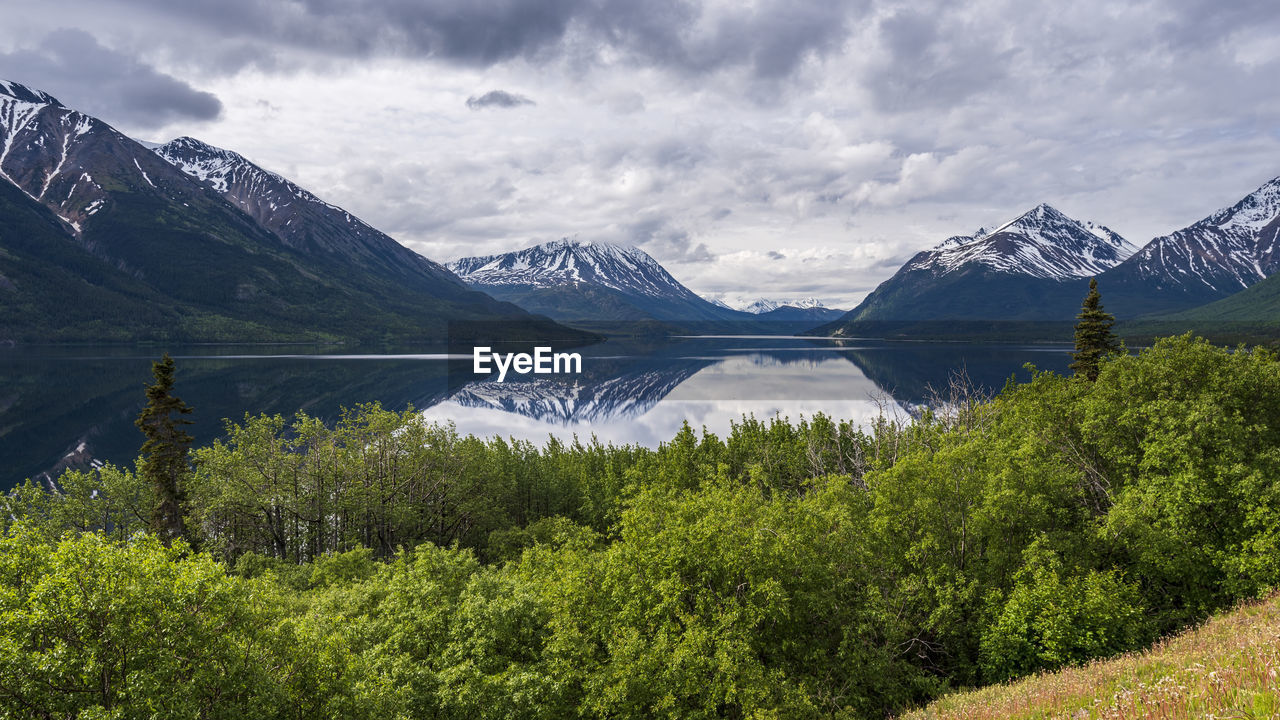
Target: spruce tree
{"x":164,"y":454}
{"x":1094,"y":339}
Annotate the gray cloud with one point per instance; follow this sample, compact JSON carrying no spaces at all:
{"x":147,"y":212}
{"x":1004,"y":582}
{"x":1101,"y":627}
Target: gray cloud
{"x":668,"y":243}
{"x":934,"y":59}
{"x":498,"y":98}
{"x":75,"y":68}
{"x":771,"y":38}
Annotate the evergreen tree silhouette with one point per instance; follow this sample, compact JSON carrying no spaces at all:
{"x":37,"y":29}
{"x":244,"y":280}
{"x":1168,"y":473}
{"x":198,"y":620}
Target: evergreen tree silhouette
{"x":164,"y":454}
{"x":1094,"y":339}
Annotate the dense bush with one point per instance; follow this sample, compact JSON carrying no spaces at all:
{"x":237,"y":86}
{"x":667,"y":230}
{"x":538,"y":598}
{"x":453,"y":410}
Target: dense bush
{"x":386,"y":567}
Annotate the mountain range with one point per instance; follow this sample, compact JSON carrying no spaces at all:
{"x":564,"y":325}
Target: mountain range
{"x":805,"y":309}
{"x":103,"y":239}
{"x":616,"y":288}
{"x":1027,"y":277}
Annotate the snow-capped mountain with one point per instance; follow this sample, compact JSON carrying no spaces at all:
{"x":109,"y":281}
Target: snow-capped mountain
{"x":760,"y":306}
{"x":586,"y":281}
{"x":1026,"y":270}
{"x":792,"y":311}
{"x":1041,"y":243}
{"x":102,"y":239}
{"x":301,"y":220}
{"x":1032,"y":270}
{"x":562,"y":262}
{"x":61,"y":158}
{"x":804,"y":303}
{"x":1224,"y":253}
{"x":765,"y":305}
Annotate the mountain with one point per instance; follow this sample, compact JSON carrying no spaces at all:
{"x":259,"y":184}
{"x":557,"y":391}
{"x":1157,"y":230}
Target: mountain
{"x":1041,"y":243}
{"x":301,"y":220}
{"x":805,"y":310}
{"x":794,"y":314}
{"x":1221,"y":255}
{"x":764,"y":305}
{"x":1026,"y":278}
{"x":1032,"y":269}
{"x":761,"y":306}
{"x":590,"y":284}
{"x":102,"y":239}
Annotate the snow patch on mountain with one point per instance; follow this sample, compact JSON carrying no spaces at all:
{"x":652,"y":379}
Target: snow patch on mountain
{"x":22,"y":93}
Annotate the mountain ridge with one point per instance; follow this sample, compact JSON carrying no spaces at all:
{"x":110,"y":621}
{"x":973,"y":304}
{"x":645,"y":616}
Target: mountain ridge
{"x":132,"y":248}
{"x":299,"y":218}
{"x":589,"y":282}
{"x":1042,"y":242}
{"x":953,"y":289}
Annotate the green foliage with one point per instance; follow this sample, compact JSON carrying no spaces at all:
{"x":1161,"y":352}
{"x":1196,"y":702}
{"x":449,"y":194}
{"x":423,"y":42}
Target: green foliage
{"x":723,"y":602}
{"x":1191,"y":437}
{"x":1056,"y":616}
{"x":387,"y":567}
{"x":109,"y":500}
{"x":92,"y":628}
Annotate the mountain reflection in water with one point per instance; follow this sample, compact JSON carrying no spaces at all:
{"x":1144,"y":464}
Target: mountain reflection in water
{"x":74,"y":407}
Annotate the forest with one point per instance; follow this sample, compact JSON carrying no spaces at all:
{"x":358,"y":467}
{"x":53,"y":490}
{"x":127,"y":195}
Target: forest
{"x":386,"y":567}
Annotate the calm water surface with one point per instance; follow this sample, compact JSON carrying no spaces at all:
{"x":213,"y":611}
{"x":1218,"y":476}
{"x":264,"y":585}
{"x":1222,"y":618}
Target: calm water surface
{"x":75,"y":407}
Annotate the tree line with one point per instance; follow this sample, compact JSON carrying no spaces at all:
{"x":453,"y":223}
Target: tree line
{"x":387,"y":567}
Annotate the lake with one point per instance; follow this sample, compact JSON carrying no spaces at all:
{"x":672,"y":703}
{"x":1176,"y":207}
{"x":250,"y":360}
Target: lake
{"x":74,"y":407}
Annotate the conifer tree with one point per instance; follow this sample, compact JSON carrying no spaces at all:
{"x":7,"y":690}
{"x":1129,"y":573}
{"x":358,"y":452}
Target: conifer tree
{"x":164,"y":454}
{"x":1094,"y":339}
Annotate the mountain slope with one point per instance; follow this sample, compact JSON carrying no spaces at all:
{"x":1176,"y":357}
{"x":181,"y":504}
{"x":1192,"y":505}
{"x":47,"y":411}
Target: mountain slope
{"x":1224,"y":253}
{"x":589,"y":282}
{"x":300,"y":219}
{"x":136,"y":226}
{"x":1028,"y":282}
{"x":1029,"y":270}
{"x":1251,"y":315}
{"x":52,"y":290}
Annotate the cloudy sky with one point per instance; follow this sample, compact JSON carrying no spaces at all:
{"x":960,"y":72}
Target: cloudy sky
{"x":785,"y":148}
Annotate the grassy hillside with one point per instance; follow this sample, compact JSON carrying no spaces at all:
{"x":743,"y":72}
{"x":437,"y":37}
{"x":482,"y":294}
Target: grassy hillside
{"x":1227,"y":669}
